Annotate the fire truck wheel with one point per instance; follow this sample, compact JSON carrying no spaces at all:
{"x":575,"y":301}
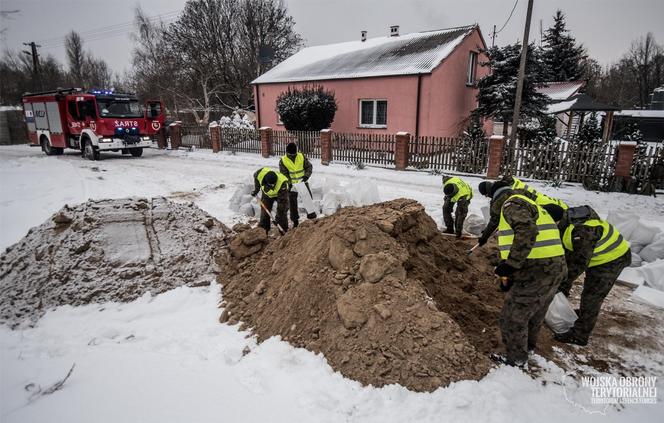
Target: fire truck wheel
{"x":48,"y":149}
{"x":136,"y":152}
{"x":90,"y":152}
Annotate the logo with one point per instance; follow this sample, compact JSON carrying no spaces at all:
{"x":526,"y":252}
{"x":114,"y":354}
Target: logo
{"x":595,"y":394}
{"x":156,"y":125}
{"x":93,"y":126}
{"x":125,"y":123}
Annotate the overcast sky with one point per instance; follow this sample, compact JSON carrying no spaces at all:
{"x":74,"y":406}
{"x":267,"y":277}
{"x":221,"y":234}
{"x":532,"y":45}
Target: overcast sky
{"x":605,"y":27}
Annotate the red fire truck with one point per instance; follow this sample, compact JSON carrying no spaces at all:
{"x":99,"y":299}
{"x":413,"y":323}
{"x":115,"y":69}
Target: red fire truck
{"x":90,"y":122}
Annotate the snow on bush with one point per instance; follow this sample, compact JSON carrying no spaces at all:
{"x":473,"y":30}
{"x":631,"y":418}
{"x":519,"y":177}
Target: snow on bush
{"x":236,"y":121}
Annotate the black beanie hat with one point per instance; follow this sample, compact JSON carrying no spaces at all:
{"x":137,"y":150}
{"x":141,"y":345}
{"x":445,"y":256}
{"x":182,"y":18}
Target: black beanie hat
{"x":555,"y":211}
{"x":485,"y":187}
{"x":291,"y":148}
{"x":450,"y":189}
{"x":270,"y":178}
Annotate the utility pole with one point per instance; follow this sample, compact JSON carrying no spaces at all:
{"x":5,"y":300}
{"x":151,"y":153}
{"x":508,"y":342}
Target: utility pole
{"x":493,"y":36}
{"x":522,"y":72}
{"x":36,"y":77}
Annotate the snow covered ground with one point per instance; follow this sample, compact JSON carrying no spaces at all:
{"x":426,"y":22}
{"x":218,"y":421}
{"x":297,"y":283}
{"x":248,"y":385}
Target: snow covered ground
{"x":167,"y":359}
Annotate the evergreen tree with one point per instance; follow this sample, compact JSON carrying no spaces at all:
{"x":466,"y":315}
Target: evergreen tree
{"x":563,"y":58}
{"x":497,"y":90}
{"x":308,"y":109}
{"x":590,"y":131}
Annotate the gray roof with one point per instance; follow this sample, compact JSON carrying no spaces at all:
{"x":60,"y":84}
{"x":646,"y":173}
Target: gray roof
{"x":408,"y":54}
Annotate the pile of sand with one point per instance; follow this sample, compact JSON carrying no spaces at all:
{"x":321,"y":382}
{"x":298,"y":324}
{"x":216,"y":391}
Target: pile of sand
{"x":377,"y":289}
{"x":108,"y":250}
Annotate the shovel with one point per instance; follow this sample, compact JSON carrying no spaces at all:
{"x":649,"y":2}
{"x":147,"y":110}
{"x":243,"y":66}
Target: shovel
{"x":472,"y":249}
{"x":269,"y":213}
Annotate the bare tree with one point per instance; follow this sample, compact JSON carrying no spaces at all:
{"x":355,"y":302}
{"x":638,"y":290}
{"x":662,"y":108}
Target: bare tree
{"x":643,"y":55}
{"x":75,"y":57}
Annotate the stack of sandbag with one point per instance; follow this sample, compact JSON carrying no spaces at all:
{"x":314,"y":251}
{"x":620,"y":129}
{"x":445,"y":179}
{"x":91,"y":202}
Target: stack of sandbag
{"x":647,"y":245}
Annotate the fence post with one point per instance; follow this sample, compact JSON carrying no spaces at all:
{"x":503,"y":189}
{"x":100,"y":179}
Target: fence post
{"x":266,"y":141}
{"x":215,"y":137}
{"x":401,"y":155}
{"x":176,"y":138}
{"x":625,"y":158}
{"x":496,"y":146}
{"x":326,"y":146}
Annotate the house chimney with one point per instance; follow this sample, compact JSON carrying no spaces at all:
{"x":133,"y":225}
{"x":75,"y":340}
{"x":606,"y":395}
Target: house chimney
{"x":394,"y":31}
{"x":364,"y":36}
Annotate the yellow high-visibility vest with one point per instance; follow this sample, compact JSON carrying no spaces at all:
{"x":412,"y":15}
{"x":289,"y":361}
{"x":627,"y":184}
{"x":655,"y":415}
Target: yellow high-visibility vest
{"x":295,"y":169}
{"x":610,"y":246}
{"x":519,"y":184}
{"x":542,"y":199}
{"x":463,"y":189}
{"x":547,"y":244}
{"x":280,"y":181}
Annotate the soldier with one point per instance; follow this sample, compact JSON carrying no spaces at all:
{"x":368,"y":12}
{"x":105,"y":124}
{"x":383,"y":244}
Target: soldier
{"x":297,"y":168}
{"x":532,"y":268}
{"x":498,"y":192}
{"x":540,"y":199}
{"x":274,"y":186}
{"x":595,"y":246}
{"x":457,"y":192}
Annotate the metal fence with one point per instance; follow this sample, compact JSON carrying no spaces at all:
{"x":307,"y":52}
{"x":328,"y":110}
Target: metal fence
{"x":241,"y":140}
{"x":358,"y":148}
{"x":449,"y":154}
{"x":308,"y":142}
{"x":592,"y":164}
{"x":195,"y":135}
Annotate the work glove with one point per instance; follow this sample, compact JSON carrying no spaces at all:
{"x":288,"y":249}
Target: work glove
{"x":504,"y":269}
{"x":505,"y":284}
{"x":305,"y":179}
{"x":254,"y":193}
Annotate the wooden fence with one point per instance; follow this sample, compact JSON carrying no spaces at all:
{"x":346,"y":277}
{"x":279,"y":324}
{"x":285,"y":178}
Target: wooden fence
{"x":241,"y":140}
{"x":377,"y":149}
{"x":307,"y":142}
{"x":449,"y":154}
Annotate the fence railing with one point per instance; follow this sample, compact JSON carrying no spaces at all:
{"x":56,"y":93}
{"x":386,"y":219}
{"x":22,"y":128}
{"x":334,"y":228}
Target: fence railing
{"x":307,"y":142}
{"x":561,"y":161}
{"x":449,"y":154}
{"x":648,"y":163}
{"x":195,"y":135}
{"x":241,"y":140}
{"x":375,"y":149}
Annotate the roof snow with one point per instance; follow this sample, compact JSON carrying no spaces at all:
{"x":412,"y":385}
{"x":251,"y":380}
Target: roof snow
{"x":559,"y":91}
{"x":642,"y":113}
{"x":408,"y":54}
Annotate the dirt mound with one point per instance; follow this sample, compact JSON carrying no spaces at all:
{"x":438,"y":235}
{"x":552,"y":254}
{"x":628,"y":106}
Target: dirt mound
{"x":108,"y":250}
{"x":378,"y":290}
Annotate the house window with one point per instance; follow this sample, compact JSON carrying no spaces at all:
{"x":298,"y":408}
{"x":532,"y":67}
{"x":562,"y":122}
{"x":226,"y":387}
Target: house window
{"x":472,"y":68}
{"x":373,"y":113}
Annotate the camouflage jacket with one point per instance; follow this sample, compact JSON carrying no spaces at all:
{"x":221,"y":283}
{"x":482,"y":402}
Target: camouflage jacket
{"x":308,"y":168}
{"x":522,"y":217}
{"x":495,"y":207}
{"x":584,"y":239}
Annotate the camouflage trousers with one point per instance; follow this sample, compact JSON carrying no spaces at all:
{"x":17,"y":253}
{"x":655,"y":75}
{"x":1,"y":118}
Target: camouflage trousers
{"x":526,"y":303}
{"x":292,"y":206}
{"x":597,"y":285}
{"x":282,"y":208}
{"x":460,"y":214}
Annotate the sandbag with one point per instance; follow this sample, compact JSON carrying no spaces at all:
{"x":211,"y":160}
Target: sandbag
{"x":654,"y":251}
{"x":653,"y":273}
{"x":646,"y":295}
{"x":631,"y":276}
{"x":644,"y":233}
{"x":624,"y":222}
{"x":560,"y":316}
{"x":474,"y":224}
{"x":636,"y":260}
{"x":304,"y":197}
{"x":247,"y":210}
{"x":363,"y":193}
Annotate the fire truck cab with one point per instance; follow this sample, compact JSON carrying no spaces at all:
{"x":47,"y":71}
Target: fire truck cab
{"x":91,"y":122}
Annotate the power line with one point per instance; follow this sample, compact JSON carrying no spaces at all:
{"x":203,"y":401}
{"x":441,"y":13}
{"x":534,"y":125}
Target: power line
{"x":107,"y":31}
{"x":495,"y":33}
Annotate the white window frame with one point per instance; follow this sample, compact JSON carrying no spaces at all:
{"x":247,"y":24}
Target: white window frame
{"x":471,"y":72}
{"x":375,"y":113}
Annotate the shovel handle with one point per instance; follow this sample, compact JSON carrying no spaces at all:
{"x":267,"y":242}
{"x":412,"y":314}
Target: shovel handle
{"x":269,"y":213}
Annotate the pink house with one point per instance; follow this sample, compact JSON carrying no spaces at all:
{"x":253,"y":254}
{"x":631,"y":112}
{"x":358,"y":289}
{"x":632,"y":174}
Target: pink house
{"x":422,"y":83}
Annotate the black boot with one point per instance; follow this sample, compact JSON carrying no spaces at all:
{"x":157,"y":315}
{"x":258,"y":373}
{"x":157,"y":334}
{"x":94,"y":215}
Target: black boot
{"x":501,"y":359}
{"x":295,"y":223}
{"x":569,"y":337}
{"x":448,"y":231}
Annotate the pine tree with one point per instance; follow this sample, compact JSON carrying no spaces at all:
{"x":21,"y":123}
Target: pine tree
{"x":563,"y":58}
{"x":311,"y":108}
{"x":590,"y":131}
{"x":497,"y":90}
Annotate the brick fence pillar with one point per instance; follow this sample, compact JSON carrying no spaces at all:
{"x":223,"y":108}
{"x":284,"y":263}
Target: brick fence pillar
{"x":176,"y":139}
{"x":625,"y":158}
{"x":266,"y":141}
{"x":326,"y":146}
{"x":496,"y":147}
{"x":215,"y":138}
{"x":401,"y":153}
{"x":161,"y":138}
